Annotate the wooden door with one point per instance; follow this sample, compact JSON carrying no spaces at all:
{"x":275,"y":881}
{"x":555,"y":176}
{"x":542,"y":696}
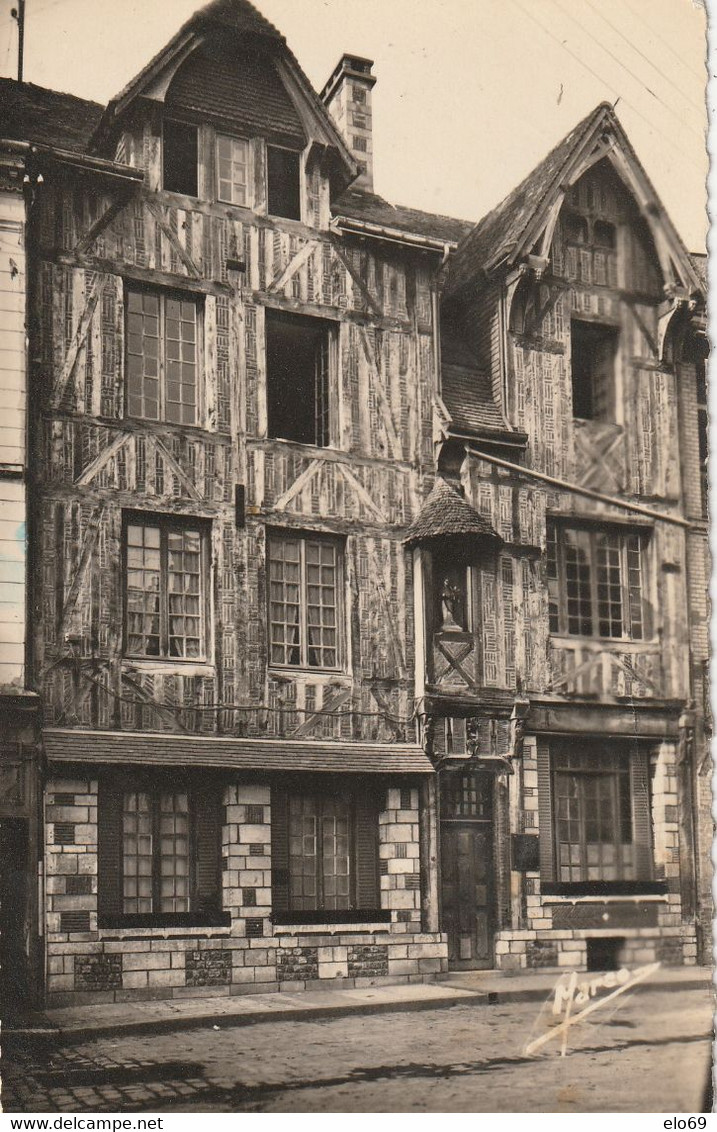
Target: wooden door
{"x":467,"y":887}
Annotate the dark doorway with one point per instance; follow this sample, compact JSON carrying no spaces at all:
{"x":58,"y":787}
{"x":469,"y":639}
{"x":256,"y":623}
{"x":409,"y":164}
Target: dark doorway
{"x":467,"y":886}
{"x":14,"y":985}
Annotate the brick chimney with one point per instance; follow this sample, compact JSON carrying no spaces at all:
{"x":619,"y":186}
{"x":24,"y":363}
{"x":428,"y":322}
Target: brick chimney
{"x":347,"y":97}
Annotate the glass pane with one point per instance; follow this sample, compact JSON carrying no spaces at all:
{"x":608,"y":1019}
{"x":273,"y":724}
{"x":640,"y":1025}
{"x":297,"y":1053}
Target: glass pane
{"x":136,"y":853}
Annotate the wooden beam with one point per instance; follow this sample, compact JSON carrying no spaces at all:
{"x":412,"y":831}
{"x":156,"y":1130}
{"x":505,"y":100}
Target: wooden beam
{"x":88,"y":546}
{"x":295,"y":264}
{"x":178,"y":471}
{"x":361,"y":492}
{"x":173,"y":240}
{"x":366,"y":294}
{"x":298,"y":485}
{"x":101,"y":461}
{"x":386,"y":416}
{"x":80,"y":337}
{"x":100,"y":224}
{"x":337,"y":701}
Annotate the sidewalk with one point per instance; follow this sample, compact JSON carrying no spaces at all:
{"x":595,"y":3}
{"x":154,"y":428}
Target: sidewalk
{"x":480,"y":988}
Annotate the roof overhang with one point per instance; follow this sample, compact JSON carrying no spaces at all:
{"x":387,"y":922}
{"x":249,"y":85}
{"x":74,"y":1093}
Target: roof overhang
{"x":175,"y":750}
{"x":366,"y":228}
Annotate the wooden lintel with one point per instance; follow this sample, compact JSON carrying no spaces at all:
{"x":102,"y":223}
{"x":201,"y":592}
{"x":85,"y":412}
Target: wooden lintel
{"x":136,"y":274}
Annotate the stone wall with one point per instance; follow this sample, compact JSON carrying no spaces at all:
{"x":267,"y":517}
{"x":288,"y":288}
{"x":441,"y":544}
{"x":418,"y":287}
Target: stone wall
{"x":87,"y":964}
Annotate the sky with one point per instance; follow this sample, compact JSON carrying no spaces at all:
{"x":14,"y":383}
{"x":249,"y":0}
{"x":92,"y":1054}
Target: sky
{"x":471,"y":94}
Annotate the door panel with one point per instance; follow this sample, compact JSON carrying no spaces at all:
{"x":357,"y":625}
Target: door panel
{"x":467,"y":891}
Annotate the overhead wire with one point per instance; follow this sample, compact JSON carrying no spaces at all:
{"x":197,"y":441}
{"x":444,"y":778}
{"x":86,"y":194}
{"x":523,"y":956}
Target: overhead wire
{"x":610,"y":86}
{"x":648,"y":60}
{"x":656,"y":35}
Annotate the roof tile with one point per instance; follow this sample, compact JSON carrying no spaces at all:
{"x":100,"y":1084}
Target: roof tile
{"x":445,"y":514}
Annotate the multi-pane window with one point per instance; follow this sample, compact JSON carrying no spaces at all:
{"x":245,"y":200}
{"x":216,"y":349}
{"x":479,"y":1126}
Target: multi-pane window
{"x":159,"y":850}
{"x":593,"y":350}
{"x":593,"y":816}
{"x":233,"y":170}
{"x":320,"y":870}
{"x":165,"y":590}
{"x":324,"y":853}
{"x":155,"y":852}
{"x":298,"y":378}
{"x":162,"y":356}
{"x":304,"y":601}
{"x":596,"y":582}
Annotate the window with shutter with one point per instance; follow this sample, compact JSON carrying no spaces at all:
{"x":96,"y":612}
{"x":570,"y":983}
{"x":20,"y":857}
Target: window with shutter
{"x":159,"y":854}
{"x":594,"y":815}
{"x":325,"y":856}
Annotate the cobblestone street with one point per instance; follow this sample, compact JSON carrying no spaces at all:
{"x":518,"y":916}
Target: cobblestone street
{"x":647,"y":1052}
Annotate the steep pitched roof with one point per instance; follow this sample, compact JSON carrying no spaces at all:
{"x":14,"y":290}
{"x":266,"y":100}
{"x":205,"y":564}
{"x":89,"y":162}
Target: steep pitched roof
{"x":48,"y":117}
{"x":446,"y":514}
{"x":236,"y":22}
{"x":506,"y":233}
{"x":359,"y":204}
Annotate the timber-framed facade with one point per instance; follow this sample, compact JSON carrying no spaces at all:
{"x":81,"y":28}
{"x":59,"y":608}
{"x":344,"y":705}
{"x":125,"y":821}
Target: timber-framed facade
{"x":362,"y":556}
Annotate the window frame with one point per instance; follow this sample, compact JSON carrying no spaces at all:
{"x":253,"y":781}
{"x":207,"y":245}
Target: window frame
{"x":558,"y":582}
{"x":167,"y":523}
{"x":324,"y":381}
{"x":163,"y":296}
{"x":635,"y":756}
{"x":249,"y":202}
{"x":304,"y":537}
{"x":364,"y":803}
{"x":270,"y":147}
{"x":204,"y":839}
{"x":187,"y":126}
{"x":603,"y":388}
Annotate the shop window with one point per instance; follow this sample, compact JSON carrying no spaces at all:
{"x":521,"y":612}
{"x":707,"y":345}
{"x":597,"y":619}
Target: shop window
{"x":305,"y":581}
{"x":166,"y":591}
{"x":593,"y":349}
{"x":284,"y":182}
{"x":233,"y":171}
{"x":179,"y":158}
{"x":596,"y":582}
{"x":162,"y":365}
{"x":298,"y":378}
{"x":325,"y":855}
{"x":159,"y":852}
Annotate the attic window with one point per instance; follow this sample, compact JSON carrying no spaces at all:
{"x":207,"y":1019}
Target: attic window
{"x":358,"y":94}
{"x":593,"y":350}
{"x":179,"y":158}
{"x":298,"y":377}
{"x":604,"y":234}
{"x":233,"y":170}
{"x":576,"y":229}
{"x":283,"y":183}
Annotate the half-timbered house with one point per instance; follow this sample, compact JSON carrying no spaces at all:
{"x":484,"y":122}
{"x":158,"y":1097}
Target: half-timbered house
{"x":360,"y":639}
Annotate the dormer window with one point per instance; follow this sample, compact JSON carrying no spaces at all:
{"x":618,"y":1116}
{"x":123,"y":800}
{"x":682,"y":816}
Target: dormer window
{"x":593,"y":349}
{"x":179,"y":158}
{"x":233,"y":171}
{"x":283,"y":174}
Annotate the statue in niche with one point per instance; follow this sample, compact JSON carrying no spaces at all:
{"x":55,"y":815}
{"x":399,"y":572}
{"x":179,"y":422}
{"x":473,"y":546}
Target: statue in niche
{"x":451,"y":604}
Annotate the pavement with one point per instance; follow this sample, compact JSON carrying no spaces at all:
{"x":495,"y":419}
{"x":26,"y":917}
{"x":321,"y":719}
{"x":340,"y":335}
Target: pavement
{"x":466,"y":988}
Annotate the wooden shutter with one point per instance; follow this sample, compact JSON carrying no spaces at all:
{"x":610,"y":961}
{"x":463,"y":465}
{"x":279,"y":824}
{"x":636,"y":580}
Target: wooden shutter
{"x":545,"y":813}
{"x":641,"y":825}
{"x":367,"y":877}
{"x":206,"y":805}
{"x":109,"y":849}
{"x":279,"y":849}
